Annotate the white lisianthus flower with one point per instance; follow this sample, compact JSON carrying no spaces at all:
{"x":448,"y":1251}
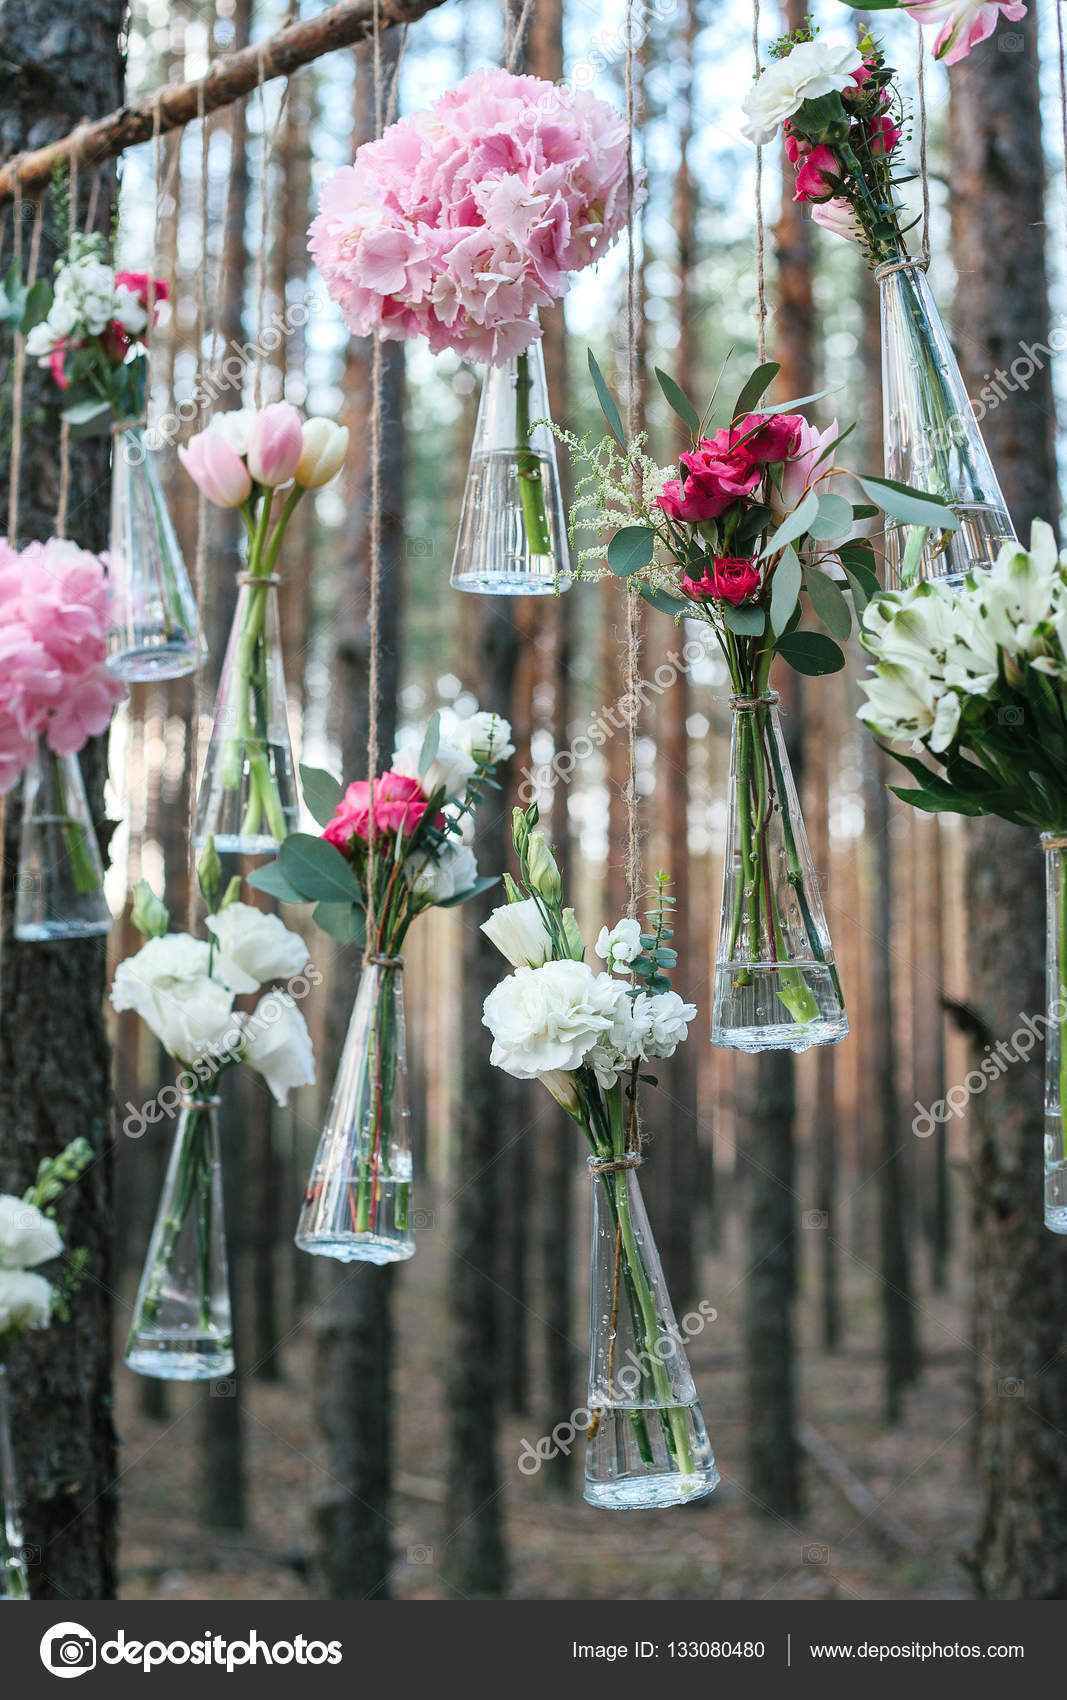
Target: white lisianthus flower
{"x":811,"y":69}
{"x":27,"y":1236}
{"x":620,"y":945}
{"x":168,"y":984}
{"x":254,"y":947}
{"x":548,"y":1019}
{"x":519,"y":933}
{"x":234,"y":426}
{"x":128,"y":310}
{"x":278,"y":1045}
{"x":450,"y":768}
{"x":445,"y":875}
{"x":483,"y":736}
{"x":25,"y":1300}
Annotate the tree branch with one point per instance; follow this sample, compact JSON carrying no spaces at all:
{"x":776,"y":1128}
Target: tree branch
{"x":231,"y":76}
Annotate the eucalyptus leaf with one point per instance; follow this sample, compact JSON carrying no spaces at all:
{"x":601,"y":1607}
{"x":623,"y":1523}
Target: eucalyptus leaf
{"x":758,"y":385}
{"x":833,"y":519}
{"x":85,"y":412}
{"x":679,"y":401}
{"x":785,"y":588}
{"x":860,"y":584}
{"x":431,"y":743}
{"x":36,"y":305}
{"x":747,"y":621}
{"x":269,"y":878}
{"x":829,"y":604}
{"x":810,"y":653}
{"x":913,"y":507}
{"x":318,"y":870}
{"x":322,"y":793}
{"x":630,"y":549}
{"x":607,"y":401}
{"x":343,"y":921}
{"x":665,"y":604}
{"x":794,"y":526}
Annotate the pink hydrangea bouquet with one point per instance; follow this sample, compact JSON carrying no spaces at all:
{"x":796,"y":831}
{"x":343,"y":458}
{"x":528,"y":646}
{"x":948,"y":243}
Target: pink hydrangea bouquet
{"x":54,"y":684}
{"x":460,"y":222}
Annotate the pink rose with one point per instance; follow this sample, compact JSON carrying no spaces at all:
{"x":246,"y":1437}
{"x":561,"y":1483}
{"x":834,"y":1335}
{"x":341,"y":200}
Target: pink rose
{"x":731,"y":579}
{"x":399,"y":805}
{"x":814,"y":174}
{"x":883,"y":135}
{"x":768,"y":436}
{"x":137,"y":284}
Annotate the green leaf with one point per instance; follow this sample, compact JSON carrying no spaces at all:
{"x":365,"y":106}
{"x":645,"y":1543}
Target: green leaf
{"x":608,"y":404}
{"x":864,"y":510}
{"x":85,"y":412}
{"x":474,"y":890}
{"x":913,"y":507}
{"x":833,"y":519}
{"x":829,"y":604}
{"x":679,"y":401}
{"x":631,"y":549}
{"x":935,"y":805}
{"x":802,"y":401}
{"x":864,"y":586}
{"x":810,"y":653}
{"x":747,"y":621}
{"x":431,"y":743}
{"x":343,"y":921}
{"x":752,"y":522}
{"x":832,"y":448}
{"x":322,"y":793}
{"x":758,"y":385}
{"x":913,"y":553}
{"x":794,"y":526}
{"x":269,"y":878}
{"x":318,"y":870}
{"x":36,"y":305}
{"x":660,"y":600}
{"x":785,"y":588}
{"x":859,"y":557}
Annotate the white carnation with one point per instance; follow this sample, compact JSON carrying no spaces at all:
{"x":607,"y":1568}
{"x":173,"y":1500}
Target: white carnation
{"x":254,"y":947}
{"x":27,"y":1236}
{"x":811,"y":69}
{"x":548,"y":1019}
{"x":25,"y":1300}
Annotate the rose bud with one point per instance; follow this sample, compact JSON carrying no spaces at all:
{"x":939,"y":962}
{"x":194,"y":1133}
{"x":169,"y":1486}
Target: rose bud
{"x":275,"y":444}
{"x":325,"y":447}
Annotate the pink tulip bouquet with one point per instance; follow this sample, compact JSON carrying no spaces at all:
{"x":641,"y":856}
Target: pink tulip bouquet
{"x":244,"y":460}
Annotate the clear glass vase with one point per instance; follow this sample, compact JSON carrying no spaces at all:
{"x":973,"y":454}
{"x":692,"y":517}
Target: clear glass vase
{"x":930,"y":436}
{"x":776,"y":983}
{"x":357,"y":1207}
{"x":182,"y":1328}
{"x":646,"y":1442}
{"x":512,"y":530}
{"x":249,"y":797}
{"x":1054,"y":846}
{"x":60,"y":884}
{"x":14,"y":1580}
{"x":155,"y":630}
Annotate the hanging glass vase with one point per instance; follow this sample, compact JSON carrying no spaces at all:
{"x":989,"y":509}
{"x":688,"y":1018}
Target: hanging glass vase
{"x":249,"y":799}
{"x":60,"y":884}
{"x":14,"y":1580}
{"x":646,"y":1442}
{"x":512,"y":530}
{"x":931,"y":439}
{"x":357,"y":1207}
{"x":776,"y":984}
{"x":1054,"y":846}
{"x":182,"y":1328}
{"x":155,"y":631}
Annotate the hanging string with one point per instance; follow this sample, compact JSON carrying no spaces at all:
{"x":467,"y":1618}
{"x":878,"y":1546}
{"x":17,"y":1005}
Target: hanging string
{"x":268,"y":142}
{"x":514,"y":38}
{"x":200,"y":556}
{"x":761,"y":234}
{"x":924,"y":172}
{"x":18,"y":376}
{"x":63,"y":501}
{"x":633,"y":846}
{"x":94,"y":199}
{"x":374,"y":570}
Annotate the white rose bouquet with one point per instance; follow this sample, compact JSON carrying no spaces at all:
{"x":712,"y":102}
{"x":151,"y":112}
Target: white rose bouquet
{"x":975,"y":681}
{"x":587,"y":1035}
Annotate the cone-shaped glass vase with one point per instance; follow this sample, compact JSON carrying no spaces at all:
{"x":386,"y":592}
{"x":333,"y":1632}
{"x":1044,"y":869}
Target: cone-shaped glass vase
{"x":155,"y":631}
{"x":14,"y":1581}
{"x":357,"y":1207}
{"x":931,"y":438}
{"x":776,"y":984}
{"x":60,"y":888}
{"x":181,"y":1329}
{"x":512,"y":531}
{"x":646,"y":1444}
{"x":1055,"y":846}
{"x":249,"y":797}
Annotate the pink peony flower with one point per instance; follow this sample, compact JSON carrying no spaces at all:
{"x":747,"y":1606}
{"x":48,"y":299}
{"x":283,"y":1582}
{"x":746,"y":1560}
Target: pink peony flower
{"x":731,"y":579}
{"x":217,"y":469}
{"x":963,"y":23}
{"x":459,"y":223}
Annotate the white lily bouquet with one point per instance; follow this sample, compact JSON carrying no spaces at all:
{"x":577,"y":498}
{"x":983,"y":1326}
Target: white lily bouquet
{"x":586,"y":1036}
{"x":975,"y":681}
{"x":29,"y":1237}
{"x":184,"y":989}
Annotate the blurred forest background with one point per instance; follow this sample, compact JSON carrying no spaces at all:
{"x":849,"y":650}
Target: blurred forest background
{"x":885,"y":1382}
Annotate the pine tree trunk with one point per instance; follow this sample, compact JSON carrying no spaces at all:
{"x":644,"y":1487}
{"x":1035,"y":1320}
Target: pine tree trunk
{"x":1002,"y":309}
{"x":54,"y":1055}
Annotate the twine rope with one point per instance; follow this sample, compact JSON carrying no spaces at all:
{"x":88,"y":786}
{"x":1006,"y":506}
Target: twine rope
{"x":378,"y":959}
{"x":200,"y":553}
{"x":761,"y":234}
{"x":924,"y":172}
{"x":63,"y":499}
{"x":1053,"y":841}
{"x":268,"y":142}
{"x":900,"y":266}
{"x":18,"y":376}
{"x":1062,"y":57}
{"x":374,"y":569}
{"x":514,"y":38}
{"x":753,"y":702}
{"x":633,"y":641}
{"x":614,"y":1165}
